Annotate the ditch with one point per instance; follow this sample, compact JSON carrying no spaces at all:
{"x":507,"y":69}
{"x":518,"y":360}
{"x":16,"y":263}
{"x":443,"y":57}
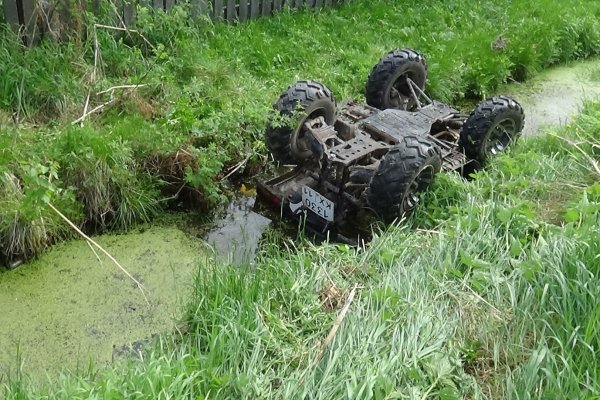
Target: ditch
{"x":72,"y":307}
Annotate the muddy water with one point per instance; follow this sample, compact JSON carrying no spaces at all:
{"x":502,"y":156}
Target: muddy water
{"x":555,"y":95}
{"x":235,"y":236}
{"x":69,"y":307}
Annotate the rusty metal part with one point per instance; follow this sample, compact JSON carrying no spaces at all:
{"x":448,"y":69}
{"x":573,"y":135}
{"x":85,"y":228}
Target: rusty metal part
{"x":419,"y":93}
{"x":361,"y":146}
{"x":321,"y":131}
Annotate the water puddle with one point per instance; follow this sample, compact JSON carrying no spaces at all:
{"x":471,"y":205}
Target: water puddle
{"x":236,"y":236}
{"x":555,"y":95}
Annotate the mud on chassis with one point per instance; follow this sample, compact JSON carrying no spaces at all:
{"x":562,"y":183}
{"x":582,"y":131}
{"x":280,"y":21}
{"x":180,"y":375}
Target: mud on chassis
{"x":380,"y":156}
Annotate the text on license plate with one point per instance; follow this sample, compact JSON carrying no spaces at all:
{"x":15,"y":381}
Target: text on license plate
{"x":317,"y":203}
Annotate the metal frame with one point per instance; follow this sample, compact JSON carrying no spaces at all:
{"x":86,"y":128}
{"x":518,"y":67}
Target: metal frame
{"x":353,"y":145}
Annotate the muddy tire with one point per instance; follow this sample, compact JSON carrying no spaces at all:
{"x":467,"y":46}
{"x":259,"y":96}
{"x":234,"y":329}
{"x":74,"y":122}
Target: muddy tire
{"x":406,"y":171}
{"x":492,"y":126}
{"x":387,"y":86}
{"x":301,"y":101}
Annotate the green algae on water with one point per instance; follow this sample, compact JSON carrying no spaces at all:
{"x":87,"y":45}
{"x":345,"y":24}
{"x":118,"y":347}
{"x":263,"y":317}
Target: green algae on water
{"x":554,"y":96}
{"x":72,"y":306}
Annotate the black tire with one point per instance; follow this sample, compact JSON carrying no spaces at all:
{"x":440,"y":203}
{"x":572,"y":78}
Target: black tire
{"x":312,"y":99}
{"x":405,"y":171}
{"x":387,"y":86}
{"x":492,"y":126}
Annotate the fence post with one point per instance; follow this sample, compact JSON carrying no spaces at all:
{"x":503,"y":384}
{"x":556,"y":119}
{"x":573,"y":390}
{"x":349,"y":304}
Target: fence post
{"x":157,"y":4}
{"x":218,"y":10}
{"x":129,"y":13}
{"x":199,"y":7}
{"x":11,"y":13}
{"x":277,"y":5}
{"x":254,"y":10}
{"x":243,"y":10}
{"x":21,"y":15}
{"x":266,"y":8}
{"x":231,"y":12}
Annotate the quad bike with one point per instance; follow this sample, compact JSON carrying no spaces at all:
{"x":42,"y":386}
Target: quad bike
{"x":380,"y":156}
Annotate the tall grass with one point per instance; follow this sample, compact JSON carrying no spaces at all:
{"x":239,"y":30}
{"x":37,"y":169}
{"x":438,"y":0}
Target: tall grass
{"x":482,"y":294}
{"x":489,"y":291}
{"x":208,"y":88}
{"x":92,"y":176}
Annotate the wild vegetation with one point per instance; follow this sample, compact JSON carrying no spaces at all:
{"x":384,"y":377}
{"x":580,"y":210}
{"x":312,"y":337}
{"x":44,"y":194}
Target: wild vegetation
{"x":488,"y":291}
{"x":198,"y":95}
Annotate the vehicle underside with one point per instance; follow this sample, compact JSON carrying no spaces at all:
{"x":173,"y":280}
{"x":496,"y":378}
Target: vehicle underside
{"x":352,"y":150}
{"x":362,"y":159}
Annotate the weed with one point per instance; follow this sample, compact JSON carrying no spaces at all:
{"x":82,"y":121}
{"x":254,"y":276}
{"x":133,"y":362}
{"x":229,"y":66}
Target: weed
{"x":595,"y":75}
{"x":208,"y":88}
{"x":27,"y":227}
{"x":489,"y":301}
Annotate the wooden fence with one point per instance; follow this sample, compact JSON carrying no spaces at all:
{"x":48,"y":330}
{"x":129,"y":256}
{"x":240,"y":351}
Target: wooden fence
{"x":34,"y":17}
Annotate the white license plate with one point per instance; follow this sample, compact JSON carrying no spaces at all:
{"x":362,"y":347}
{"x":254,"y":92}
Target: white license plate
{"x":317,"y":203}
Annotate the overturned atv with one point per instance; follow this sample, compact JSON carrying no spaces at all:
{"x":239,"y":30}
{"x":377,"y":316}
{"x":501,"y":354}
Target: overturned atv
{"x":379,"y":156}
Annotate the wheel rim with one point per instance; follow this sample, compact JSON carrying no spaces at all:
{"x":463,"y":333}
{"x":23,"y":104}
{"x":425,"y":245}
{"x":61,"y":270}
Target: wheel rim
{"x":398,"y":96}
{"x":500,"y":136}
{"x":412,"y":197}
{"x":299,"y":143}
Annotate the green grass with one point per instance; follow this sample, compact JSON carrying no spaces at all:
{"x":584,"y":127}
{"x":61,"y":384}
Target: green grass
{"x":479,"y":295}
{"x":208,"y":90}
{"x":489,"y":291}
{"x":595,"y":75}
